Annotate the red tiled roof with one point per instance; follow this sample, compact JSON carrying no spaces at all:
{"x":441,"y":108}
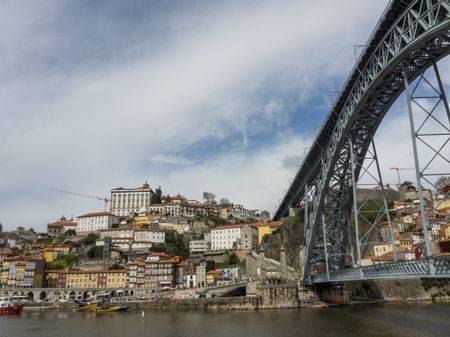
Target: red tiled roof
{"x":94,"y":214}
{"x":116,"y":229}
{"x":62,"y":223}
{"x":227,"y":227}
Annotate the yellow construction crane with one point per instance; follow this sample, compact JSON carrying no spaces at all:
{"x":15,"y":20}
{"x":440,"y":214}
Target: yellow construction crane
{"x":106,"y":200}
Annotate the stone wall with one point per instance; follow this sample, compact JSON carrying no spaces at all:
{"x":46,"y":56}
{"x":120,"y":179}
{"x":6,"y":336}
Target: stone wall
{"x":217,"y":303}
{"x":399,"y":290}
{"x":278,"y":296}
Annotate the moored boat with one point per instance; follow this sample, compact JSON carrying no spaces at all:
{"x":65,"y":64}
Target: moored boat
{"x":8,"y":307}
{"x":101,"y":310}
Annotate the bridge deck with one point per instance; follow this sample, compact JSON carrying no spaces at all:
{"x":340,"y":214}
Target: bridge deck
{"x":434,"y":267}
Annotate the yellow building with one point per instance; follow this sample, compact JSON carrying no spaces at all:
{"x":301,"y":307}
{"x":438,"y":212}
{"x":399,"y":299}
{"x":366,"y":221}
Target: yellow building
{"x":116,"y":278}
{"x":266,"y":228}
{"x":52,"y":252}
{"x":4,"y":272}
{"x":381,"y":248}
{"x":51,"y":278}
{"x":444,"y":232}
{"x":92,"y":278}
{"x":140,"y":221}
{"x":212,"y":276}
{"x":406,"y":242}
{"x":81,"y":279}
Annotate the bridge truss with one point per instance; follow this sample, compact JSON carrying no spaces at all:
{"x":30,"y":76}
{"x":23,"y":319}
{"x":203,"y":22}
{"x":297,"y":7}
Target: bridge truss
{"x":411,"y":37}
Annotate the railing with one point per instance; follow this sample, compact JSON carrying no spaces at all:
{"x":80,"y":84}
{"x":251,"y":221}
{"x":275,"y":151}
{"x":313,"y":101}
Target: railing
{"x":434,"y":267}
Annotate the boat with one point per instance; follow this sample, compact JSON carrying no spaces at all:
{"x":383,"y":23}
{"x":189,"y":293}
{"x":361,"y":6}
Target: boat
{"x":85,"y":307}
{"x":101,"y":310}
{"x":9,"y":307}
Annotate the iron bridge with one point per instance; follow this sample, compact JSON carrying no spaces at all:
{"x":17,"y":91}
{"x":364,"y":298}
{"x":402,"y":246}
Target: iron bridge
{"x":405,"y":46}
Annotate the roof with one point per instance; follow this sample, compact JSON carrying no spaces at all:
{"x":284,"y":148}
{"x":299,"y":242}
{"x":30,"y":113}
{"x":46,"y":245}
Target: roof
{"x":149,"y":230}
{"x":62,"y":223}
{"x":269,"y":224}
{"x":226,"y":227}
{"x":93,"y":271}
{"x":94,"y":214}
{"x":6,"y":251}
{"x":159,"y":254}
{"x":116,"y":229}
{"x":443,"y":206}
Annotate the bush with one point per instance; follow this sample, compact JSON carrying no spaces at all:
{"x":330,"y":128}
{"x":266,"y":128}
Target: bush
{"x":90,"y":239}
{"x":63,"y":262}
{"x":233,"y":259}
{"x":95,"y":252}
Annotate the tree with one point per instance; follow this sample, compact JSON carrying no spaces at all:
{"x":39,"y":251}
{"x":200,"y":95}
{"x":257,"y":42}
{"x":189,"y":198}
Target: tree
{"x":156,"y":198}
{"x":90,"y":239}
{"x":70,"y":232}
{"x":115,"y":266}
{"x":63,"y":262}
{"x":209,"y":197}
{"x":233,"y":259}
{"x":45,"y":240}
{"x":224,"y":201}
{"x":95,"y":252}
{"x":441,"y":182}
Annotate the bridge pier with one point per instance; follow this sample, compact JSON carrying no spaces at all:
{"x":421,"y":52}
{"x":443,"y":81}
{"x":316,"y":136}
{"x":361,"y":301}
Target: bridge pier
{"x":388,"y":290}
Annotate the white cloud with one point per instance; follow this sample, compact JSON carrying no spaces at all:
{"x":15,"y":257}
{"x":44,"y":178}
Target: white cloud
{"x":95,"y":125}
{"x":172,"y":159}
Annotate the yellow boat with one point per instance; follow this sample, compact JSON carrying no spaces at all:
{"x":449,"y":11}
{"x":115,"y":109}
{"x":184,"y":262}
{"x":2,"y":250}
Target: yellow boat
{"x":85,"y":307}
{"x":100,"y":310}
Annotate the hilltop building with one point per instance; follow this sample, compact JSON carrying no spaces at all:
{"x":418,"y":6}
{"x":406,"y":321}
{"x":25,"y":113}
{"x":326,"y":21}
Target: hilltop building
{"x":127,"y":200}
{"x":59,"y":227}
{"x":96,"y":221}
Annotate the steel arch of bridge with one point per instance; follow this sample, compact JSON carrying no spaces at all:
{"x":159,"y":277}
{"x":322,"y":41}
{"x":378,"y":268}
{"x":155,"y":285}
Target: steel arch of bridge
{"x":410,"y":37}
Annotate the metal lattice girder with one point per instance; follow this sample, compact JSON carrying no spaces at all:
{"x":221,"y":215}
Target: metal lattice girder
{"x":436,"y":266}
{"x":368,"y":170}
{"x":430,"y":136}
{"x":413,"y":33}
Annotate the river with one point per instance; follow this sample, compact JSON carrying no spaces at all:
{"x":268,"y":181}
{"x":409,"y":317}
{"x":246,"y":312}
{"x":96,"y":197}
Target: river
{"x":372,"y":320}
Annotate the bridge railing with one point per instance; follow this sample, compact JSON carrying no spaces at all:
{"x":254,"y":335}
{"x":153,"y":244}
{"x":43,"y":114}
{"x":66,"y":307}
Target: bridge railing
{"x":437,"y":266}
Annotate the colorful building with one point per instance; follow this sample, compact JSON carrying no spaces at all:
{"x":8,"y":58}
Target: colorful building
{"x":266,"y":228}
{"x":52,"y":252}
{"x":24,"y":272}
{"x":92,"y":279}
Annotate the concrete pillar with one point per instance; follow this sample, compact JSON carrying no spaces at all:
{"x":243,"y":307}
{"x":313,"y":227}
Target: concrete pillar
{"x":301,"y":267}
{"x":260,"y":264}
{"x":283,"y":265}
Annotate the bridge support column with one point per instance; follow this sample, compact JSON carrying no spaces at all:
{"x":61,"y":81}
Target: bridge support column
{"x":433,"y":134}
{"x":385,"y":204}
{"x":324,"y":229}
{"x":355,"y":204}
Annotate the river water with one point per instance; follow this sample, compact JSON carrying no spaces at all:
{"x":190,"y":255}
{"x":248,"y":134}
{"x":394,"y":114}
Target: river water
{"x":375,"y":320}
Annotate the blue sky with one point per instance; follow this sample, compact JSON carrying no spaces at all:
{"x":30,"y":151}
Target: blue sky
{"x":190,"y":95}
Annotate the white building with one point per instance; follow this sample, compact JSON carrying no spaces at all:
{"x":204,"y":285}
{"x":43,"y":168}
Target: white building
{"x":185,"y":208}
{"x":152,"y":235}
{"x":198,"y":247}
{"x":95,"y":221}
{"x":227,"y":237}
{"x":126,"y":200}
{"x":131,"y":239}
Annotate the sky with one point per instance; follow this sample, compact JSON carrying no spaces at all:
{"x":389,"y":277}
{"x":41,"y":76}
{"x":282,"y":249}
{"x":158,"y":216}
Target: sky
{"x":192,"y":96}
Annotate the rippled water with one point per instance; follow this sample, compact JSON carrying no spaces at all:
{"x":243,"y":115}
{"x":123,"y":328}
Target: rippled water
{"x":375,"y":320}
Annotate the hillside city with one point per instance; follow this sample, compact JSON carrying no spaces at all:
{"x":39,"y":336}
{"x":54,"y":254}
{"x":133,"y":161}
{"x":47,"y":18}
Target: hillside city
{"x":163,"y":242}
